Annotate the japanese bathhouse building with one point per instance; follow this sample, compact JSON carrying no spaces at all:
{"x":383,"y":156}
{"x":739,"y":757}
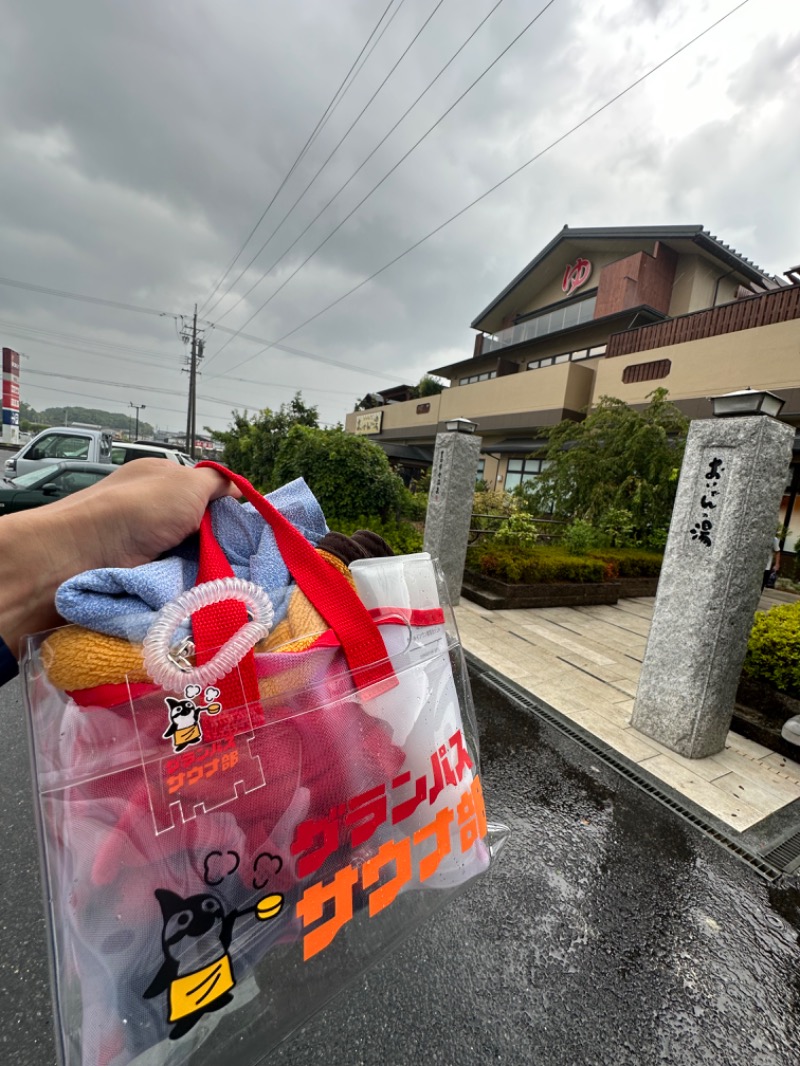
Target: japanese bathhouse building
{"x":605,"y":311}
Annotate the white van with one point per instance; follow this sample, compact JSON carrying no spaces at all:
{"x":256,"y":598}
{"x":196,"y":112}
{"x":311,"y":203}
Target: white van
{"x":123,"y":452}
{"x":91,"y":445}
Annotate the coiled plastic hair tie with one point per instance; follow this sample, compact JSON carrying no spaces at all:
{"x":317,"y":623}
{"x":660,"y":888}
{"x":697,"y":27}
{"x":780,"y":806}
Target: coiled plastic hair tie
{"x":157,"y":643}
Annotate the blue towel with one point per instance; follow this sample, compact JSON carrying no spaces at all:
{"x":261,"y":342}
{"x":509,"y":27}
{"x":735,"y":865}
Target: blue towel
{"x":124,"y":602}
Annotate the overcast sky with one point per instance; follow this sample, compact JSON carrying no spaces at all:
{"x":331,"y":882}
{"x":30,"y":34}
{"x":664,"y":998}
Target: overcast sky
{"x":142,"y":141}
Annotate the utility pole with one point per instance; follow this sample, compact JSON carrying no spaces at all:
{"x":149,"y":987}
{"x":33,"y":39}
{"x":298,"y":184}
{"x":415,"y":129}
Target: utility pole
{"x":139,"y":407}
{"x":197,"y":345}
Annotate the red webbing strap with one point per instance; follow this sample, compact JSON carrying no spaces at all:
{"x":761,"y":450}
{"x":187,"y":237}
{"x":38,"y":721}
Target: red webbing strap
{"x":328,"y":590}
{"x":211,"y":628}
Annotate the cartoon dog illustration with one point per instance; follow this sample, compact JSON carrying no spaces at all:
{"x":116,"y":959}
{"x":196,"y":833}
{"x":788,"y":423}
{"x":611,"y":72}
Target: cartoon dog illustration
{"x":197,"y":973}
{"x":184,"y":716}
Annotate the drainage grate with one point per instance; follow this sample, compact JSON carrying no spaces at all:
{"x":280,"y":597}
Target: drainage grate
{"x":785,"y":855}
{"x":770,"y":866}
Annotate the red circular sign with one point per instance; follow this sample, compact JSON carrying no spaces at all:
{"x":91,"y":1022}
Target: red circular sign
{"x":575,"y":275}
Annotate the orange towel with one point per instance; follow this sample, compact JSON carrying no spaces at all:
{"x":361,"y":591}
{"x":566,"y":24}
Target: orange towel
{"x":77,"y":658}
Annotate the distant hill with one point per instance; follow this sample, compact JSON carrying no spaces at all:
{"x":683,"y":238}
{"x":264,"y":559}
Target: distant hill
{"x":33,"y":420}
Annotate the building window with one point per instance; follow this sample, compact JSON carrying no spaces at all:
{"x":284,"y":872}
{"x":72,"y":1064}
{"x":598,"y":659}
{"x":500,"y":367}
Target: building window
{"x":486,"y":376}
{"x":658,"y":368}
{"x":563,"y":357}
{"x":423,"y":408}
{"x":518,"y":471}
{"x":481,"y":470}
{"x":562,"y":316}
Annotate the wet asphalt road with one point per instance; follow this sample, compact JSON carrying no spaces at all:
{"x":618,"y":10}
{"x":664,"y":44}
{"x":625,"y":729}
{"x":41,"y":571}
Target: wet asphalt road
{"x":611,"y":932}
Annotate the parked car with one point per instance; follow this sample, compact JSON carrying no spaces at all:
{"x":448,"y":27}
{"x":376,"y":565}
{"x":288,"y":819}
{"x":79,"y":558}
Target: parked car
{"x":52,"y":482}
{"x":88,"y":445}
{"x":61,"y":443}
{"x":123,"y":452}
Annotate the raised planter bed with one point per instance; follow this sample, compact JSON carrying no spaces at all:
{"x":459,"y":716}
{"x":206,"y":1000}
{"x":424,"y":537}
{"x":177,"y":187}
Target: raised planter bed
{"x":499,"y":595}
{"x":759,"y":714}
{"x":631,"y":587}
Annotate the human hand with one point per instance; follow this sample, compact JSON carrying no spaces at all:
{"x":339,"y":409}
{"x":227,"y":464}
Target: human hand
{"x":141,"y":510}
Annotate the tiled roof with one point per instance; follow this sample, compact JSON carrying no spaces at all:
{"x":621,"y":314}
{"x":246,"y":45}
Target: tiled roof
{"x":696,"y":234}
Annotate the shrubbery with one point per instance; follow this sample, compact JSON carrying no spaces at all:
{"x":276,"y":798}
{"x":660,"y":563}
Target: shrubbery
{"x":580,"y":537}
{"x":630,"y":562}
{"x":532,"y":565}
{"x":773,"y":651}
{"x":413,"y":505}
{"x":349,"y":475}
{"x":617,"y":470}
{"x":529,"y":565}
{"x":402,"y":537}
{"x":518,"y":529}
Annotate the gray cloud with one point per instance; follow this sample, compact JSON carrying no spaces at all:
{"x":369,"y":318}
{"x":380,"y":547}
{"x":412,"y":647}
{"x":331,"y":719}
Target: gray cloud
{"x":141,"y":142}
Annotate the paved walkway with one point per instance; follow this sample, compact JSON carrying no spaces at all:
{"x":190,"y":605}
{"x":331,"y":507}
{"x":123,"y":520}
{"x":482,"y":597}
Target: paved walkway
{"x":585,"y":662}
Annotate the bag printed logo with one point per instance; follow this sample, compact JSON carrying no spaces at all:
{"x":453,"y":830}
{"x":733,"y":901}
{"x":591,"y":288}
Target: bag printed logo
{"x":197,"y":973}
{"x":184,"y":716}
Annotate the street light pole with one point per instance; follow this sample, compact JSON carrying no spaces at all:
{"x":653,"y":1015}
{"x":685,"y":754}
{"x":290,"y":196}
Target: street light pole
{"x":139,"y":407}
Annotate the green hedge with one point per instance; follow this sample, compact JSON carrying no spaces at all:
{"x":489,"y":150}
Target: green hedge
{"x":773,"y":651}
{"x":536,"y":565}
{"x":402,"y":537}
{"x":630,"y":562}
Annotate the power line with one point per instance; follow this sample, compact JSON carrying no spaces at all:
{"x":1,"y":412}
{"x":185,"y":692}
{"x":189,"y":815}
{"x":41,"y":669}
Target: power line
{"x":150,"y":407}
{"x":149,"y":388}
{"x":298,"y":351}
{"x":322,"y":167}
{"x":76,"y":348}
{"x":377,"y":41}
{"x":111,"y":384}
{"x":105,"y":399}
{"x":388,"y":173}
{"x":32,"y":333}
{"x":322,"y":120}
{"x":499,"y":184}
{"x":86,"y":299}
{"x":14,"y":330}
{"x":341,"y":188}
{"x":176,"y":392}
{"x":164,"y":314}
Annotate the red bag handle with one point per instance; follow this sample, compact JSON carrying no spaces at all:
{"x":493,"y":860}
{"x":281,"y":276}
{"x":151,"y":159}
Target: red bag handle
{"x":328,"y":590}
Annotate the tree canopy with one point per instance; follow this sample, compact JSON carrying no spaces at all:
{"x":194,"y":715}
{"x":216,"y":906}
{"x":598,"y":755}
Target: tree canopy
{"x":252,"y":443}
{"x":30,"y":419}
{"x":616,"y":469}
{"x":349,"y":475}
{"x":426,"y":386}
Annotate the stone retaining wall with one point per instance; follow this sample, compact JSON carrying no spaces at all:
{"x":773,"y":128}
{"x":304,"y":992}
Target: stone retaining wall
{"x":497,"y":595}
{"x":631,"y":587}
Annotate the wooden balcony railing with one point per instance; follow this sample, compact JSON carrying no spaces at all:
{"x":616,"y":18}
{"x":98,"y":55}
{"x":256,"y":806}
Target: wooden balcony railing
{"x":780,"y":305}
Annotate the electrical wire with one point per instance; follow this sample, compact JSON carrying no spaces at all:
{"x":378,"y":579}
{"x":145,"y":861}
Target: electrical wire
{"x":378,"y":39}
{"x":150,"y":407}
{"x":518,"y":170}
{"x":142,"y":388}
{"x":344,"y":137}
{"x":30,"y":333}
{"x":169,"y":314}
{"x":35,"y":333}
{"x":306,"y":355}
{"x":105,"y":399}
{"x":317,"y":129}
{"x":86,"y":299}
{"x":106,"y":355}
{"x":386,"y":175}
{"x":363,"y":163}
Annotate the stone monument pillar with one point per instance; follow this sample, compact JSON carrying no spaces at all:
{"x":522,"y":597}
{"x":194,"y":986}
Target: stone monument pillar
{"x":726,"y":512}
{"x":455,"y":465}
